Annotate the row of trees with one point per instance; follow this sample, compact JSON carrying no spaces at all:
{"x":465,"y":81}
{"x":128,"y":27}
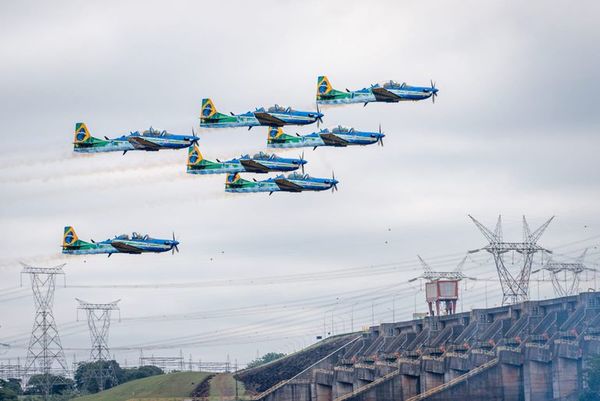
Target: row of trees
{"x":89,"y":377}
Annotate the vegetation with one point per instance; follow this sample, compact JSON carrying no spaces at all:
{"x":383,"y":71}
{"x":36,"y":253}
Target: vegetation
{"x":592,"y":376}
{"x":57,"y":385}
{"x":266,"y":358}
{"x":174,"y":386}
{"x":8,"y":392}
{"x":110,"y":374}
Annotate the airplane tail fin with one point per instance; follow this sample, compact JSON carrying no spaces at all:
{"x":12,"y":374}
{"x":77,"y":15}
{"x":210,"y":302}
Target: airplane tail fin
{"x":323,"y":86}
{"x":208,"y":109}
{"x":194,"y":155}
{"x":274,"y":133}
{"x":232,"y":178}
{"x":82,"y":134}
{"x":69,"y":237}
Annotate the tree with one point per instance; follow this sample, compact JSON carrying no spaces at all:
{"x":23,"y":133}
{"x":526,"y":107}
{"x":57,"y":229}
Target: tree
{"x":592,"y":376}
{"x":141,"y":372}
{"x":6,"y":392}
{"x":90,"y":376}
{"x":37,"y":384}
{"x":266,"y":358}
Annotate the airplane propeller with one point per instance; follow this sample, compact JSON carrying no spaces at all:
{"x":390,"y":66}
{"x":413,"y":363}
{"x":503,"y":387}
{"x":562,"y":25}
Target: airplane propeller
{"x":319,"y":119}
{"x":301,"y":162}
{"x":175,"y":248}
{"x":195,"y":141}
{"x":433,"y":91}
{"x":380,"y":139}
{"x":334,"y":186}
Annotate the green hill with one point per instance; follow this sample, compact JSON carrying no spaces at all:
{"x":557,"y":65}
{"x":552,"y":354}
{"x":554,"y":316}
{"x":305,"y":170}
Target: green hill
{"x":172,"y":386}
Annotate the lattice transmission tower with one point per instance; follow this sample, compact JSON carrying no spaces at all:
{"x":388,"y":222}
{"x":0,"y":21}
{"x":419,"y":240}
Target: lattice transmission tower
{"x":515,"y":284}
{"x":98,"y":318}
{"x":566,"y":275}
{"x":45,"y":355}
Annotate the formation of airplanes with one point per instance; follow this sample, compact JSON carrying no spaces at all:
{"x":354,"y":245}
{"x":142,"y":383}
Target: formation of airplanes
{"x":274,"y":118}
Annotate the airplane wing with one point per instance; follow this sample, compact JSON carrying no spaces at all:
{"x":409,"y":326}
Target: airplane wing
{"x":384,"y":95}
{"x":125,"y":248}
{"x":253,"y":166}
{"x":333,"y":140}
{"x":286,"y":185}
{"x":267,"y":119}
{"x":142,"y":144}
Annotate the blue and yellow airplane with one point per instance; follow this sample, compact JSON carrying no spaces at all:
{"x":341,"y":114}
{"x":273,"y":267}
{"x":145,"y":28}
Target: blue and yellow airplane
{"x":388,"y":92}
{"x":259,"y":163}
{"x":294,"y":182}
{"x":149,"y":140}
{"x":275,"y":116}
{"x":136,"y":244}
{"x":338,"y":137}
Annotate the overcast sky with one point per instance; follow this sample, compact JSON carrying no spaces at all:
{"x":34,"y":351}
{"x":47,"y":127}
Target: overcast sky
{"x":514,"y":130}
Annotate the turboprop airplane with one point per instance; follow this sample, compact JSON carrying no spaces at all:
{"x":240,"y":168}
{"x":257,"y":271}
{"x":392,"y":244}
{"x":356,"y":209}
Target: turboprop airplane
{"x":338,"y":137}
{"x":136,"y":244}
{"x":275,"y":116}
{"x":294,"y":182}
{"x":259,"y":163}
{"x":388,"y":92}
{"x":150,"y":140}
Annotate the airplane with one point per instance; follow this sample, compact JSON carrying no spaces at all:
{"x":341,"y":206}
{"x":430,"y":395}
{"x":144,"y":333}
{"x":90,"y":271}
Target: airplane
{"x":294,"y":182}
{"x":338,"y":137}
{"x":150,"y":140}
{"x":259,"y":163}
{"x":276,"y":116}
{"x":136,"y":244}
{"x":388,"y":92}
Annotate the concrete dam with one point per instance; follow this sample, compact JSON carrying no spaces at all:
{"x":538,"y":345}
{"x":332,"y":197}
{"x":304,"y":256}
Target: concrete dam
{"x":531,"y":351}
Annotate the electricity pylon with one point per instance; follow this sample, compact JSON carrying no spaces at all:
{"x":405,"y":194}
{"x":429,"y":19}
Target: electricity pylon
{"x":515,"y":285}
{"x":568,"y":284}
{"x":45,"y":355}
{"x":98,"y":318}
{"x":431,"y":275}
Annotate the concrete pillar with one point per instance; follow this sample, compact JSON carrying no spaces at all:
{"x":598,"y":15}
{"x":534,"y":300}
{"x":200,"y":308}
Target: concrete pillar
{"x":410,"y":386}
{"x":430,"y":380}
{"x":565,"y":374}
{"x":537,"y":380}
{"x":323,"y":392}
{"x":341,"y":388}
{"x":512,"y":382}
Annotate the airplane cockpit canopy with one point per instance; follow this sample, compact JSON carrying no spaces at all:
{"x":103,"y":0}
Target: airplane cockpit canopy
{"x":279,"y":109}
{"x":122,"y":236}
{"x":394,"y":85}
{"x":340,"y":130}
{"x":139,"y":236}
{"x":298,"y":176}
{"x":154,"y":132}
{"x":264,"y":156}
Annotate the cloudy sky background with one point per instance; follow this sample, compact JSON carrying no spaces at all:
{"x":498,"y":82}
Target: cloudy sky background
{"x":514,"y":130}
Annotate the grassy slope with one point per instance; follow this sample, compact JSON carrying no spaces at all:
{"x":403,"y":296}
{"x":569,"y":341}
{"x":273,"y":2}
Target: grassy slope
{"x":222,"y":388}
{"x":173,"y":386}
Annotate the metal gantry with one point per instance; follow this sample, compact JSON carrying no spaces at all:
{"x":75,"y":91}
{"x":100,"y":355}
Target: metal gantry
{"x":442,"y":287}
{"x":431,"y":275}
{"x":45,"y":355}
{"x":568,"y":284}
{"x":515,"y":284}
{"x":98,"y":318}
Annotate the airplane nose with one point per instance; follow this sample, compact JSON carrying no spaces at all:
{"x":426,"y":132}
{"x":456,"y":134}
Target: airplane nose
{"x":175,"y":243}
